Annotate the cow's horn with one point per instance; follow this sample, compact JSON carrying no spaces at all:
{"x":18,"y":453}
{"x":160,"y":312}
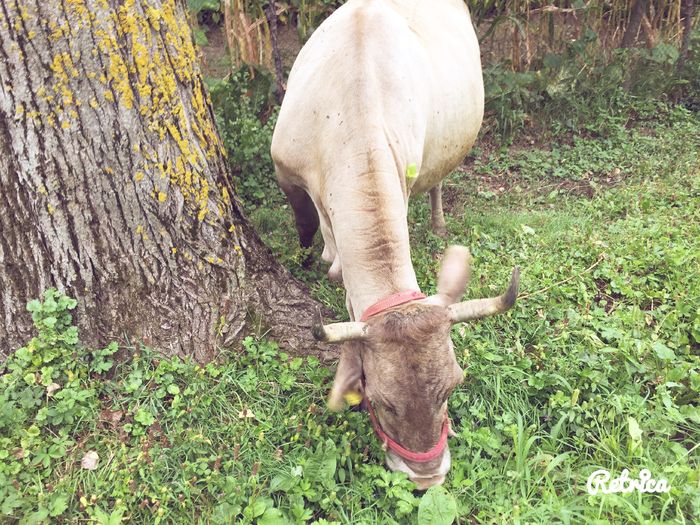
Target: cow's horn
{"x":478,"y":308}
{"x":339,"y":332}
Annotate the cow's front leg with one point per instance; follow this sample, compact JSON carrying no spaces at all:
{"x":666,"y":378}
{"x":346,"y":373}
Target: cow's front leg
{"x":437,"y":217}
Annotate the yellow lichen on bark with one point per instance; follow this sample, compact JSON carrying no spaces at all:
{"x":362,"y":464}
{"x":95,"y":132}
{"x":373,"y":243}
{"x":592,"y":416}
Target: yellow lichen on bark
{"x":64,"y":71}
{"x":150,"y":53}
{"x":79,"y":14}
{"x":110,"y":64}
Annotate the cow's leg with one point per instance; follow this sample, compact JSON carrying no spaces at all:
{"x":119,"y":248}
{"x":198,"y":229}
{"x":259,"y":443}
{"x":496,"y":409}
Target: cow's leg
{"x":305,"y":216}
{"x":330,"y":253}
{"x":437,"y":218}
{"x":329,"y":250}
{"x":335,"y":272}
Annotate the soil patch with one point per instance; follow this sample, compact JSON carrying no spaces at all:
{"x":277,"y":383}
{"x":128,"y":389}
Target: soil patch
{"x":215,"y":59}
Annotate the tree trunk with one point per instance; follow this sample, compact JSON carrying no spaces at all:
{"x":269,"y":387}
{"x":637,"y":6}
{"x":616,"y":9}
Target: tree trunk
{"x":638,"y":11}
{"x":688,"y":13}
{"x":271,"y":15}
{"x":114,"y":186}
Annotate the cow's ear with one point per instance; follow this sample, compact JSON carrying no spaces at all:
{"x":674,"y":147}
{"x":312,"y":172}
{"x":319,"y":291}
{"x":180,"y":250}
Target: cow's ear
{"x":347,"y":386}
{"x":454,"y":274}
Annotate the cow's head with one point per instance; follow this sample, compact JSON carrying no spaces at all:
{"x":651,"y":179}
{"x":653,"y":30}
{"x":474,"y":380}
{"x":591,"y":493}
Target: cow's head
{"x":402,"y":362}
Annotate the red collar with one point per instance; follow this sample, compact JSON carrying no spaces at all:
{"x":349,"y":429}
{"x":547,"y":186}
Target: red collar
{"x":389,"y":302}
{"x":417,"y":457}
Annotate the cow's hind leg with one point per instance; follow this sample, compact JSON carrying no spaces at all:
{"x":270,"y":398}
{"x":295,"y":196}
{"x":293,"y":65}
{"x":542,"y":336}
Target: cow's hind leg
{"x":305,"y":216}
{"x":437,"y":217}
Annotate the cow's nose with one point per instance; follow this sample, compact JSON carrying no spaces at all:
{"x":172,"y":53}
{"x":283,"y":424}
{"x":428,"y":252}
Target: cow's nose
{"x":424,"y":475}
{"x":426,"y":483}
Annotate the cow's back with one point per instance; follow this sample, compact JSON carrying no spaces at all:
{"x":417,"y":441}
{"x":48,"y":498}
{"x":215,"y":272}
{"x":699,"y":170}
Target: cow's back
{"x":401,"y":78}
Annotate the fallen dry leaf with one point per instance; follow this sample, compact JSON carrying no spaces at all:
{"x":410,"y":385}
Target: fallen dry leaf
{"x":111,"y":416}
{"x":246,"y":412}
{"x":89,"y":461}
{"x":52,"y":388}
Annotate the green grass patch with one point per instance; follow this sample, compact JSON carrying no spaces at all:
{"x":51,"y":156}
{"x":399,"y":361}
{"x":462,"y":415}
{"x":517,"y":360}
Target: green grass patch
{"x":596,"y":366}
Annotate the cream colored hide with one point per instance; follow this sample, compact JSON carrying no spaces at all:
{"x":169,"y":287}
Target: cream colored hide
{"x":384,"y":100}
{"x":380,"y":86}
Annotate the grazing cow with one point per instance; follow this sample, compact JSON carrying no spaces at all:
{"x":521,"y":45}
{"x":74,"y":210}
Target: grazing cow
{"x":384,"y":100}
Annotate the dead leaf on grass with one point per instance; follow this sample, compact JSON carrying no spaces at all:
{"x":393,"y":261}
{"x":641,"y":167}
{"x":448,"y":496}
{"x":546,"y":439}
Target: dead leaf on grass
{"x":246,"y":413}
{"x":90,"y":460}
{"x":111,"y":416}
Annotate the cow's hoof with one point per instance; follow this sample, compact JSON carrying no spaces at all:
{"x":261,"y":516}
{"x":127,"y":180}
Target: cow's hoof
{"x":306,"y":258}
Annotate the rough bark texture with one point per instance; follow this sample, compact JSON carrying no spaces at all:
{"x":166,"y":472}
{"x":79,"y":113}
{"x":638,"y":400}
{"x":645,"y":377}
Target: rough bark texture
{"x":271,"y":15}
{"x":638,"y":11}
{"x":114,"y":186}
{"x":688,"y":12}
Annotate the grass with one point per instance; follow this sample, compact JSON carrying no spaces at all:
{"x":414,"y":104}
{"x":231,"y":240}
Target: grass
{"x":597,"y":366}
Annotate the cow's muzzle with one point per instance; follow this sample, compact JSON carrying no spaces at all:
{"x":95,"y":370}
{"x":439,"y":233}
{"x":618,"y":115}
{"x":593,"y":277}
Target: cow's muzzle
{"x":423,"y":477}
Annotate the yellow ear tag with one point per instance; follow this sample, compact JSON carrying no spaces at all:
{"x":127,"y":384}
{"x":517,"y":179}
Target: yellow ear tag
{"x":353,"y":398}
{"x":411,"y":171}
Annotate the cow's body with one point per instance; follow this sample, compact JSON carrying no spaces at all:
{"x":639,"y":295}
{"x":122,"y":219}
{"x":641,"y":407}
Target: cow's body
{"x":383,"y":89}
{"x":384,"y":101}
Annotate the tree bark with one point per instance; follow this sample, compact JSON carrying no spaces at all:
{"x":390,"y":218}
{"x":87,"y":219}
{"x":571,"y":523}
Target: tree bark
{"x":271,"y":15}
{"x":688,"y":12}
{"x":114,"y":186}
{"x":638,"y":11}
